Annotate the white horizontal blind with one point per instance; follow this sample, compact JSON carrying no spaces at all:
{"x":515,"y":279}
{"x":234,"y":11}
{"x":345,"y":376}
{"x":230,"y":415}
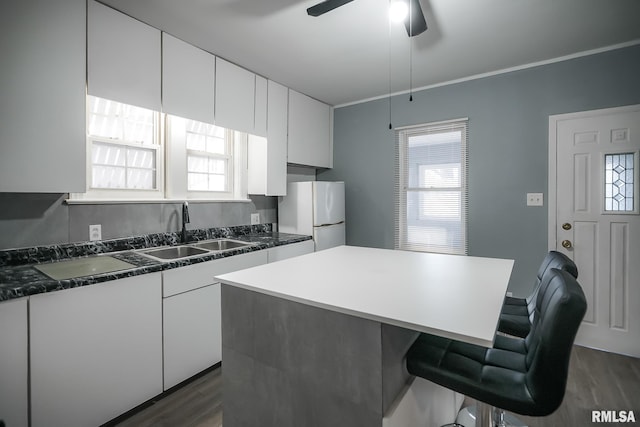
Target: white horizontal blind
{"x":431,"y":187}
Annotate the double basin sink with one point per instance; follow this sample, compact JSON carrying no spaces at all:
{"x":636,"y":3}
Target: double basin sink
{"x":193,"y":249}
{"x":89,"y":266}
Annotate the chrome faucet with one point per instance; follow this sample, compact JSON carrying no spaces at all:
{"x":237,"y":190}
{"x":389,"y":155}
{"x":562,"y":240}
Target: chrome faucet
{"x":185,"y":221}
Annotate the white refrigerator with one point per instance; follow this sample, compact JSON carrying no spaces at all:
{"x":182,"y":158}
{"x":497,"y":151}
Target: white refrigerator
{"x":314,"y":208}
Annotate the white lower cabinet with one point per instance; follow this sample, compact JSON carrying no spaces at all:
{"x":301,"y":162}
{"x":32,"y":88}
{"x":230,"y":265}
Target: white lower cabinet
{"x":192,"y":333}
{"x":95,"y":351}
{"x":98,"y":351}
{"x":14,"y":373}
{"x":289,"y":251}
{"x":192,"y":325}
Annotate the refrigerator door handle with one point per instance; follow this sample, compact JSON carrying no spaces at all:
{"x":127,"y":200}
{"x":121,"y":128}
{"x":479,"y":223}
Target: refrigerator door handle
{"x":329,"y":225}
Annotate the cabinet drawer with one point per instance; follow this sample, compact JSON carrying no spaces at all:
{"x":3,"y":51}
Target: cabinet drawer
{"x":289,"y":251}
{"x":195,"y":276}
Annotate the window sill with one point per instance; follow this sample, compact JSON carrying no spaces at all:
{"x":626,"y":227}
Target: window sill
{"x":149,"y":201}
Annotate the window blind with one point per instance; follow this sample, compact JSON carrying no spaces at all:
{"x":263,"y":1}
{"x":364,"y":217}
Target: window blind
{"x":431,"y":187}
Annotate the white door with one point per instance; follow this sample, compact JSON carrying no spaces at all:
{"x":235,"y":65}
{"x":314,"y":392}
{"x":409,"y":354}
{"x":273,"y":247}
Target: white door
{"x":594,"y":219}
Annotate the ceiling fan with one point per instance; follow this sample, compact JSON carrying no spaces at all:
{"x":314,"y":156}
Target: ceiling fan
{"x":414,"y":22}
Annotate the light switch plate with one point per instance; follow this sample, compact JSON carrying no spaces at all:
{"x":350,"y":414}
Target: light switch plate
{"x":95,"y":232}
{"x":255,"y":218}
{"x":535,"y":199}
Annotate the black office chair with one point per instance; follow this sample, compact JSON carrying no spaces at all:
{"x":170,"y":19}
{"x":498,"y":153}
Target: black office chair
{"x":517,"y":313}
{"x":525,"y":376}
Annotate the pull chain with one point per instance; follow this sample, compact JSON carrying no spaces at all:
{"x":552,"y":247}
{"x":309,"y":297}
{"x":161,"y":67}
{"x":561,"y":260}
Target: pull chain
{"x":411,"y":51}
{"x":389,"y":71}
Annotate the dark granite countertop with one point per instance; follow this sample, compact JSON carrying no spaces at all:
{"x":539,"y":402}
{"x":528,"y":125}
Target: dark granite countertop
{"x":19,"y":278}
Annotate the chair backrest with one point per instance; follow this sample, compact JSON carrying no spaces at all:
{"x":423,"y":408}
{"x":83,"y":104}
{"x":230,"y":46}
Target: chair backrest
{"x":560,"y":308}
{"x":553,"y":259}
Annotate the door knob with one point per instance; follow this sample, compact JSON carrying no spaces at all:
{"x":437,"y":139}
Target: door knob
{"x":566,"y":226}
{"x":567,"y":244}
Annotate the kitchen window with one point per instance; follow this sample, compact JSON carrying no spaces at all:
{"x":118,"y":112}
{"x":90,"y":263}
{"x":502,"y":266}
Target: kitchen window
{"x":125,"y":155}
{"x":138,"y":154}
{"x":202,"y":160}
{"x":431,"y":188}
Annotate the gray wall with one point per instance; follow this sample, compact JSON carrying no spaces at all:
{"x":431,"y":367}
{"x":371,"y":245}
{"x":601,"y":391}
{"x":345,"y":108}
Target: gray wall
{"x":508,"y":150}
{"x":43,"y":219}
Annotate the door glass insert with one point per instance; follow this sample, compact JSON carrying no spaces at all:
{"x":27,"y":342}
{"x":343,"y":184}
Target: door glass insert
{"x":619,"y":183}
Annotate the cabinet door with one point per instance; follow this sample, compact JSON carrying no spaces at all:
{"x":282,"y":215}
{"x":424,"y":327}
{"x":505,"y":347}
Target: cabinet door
{"x":267,"y":158}
{"x":235,"y":97}
{"x":192,"y":333}
{"x":96,"y":351}
{"x":277,"y":105}
{"x":14,"y":373}
{"x":260,"y":125}
{"x":187,"y":80}
{"x":42,"y":96}
{"x":123,"y":58}
{"x":309,"y":126}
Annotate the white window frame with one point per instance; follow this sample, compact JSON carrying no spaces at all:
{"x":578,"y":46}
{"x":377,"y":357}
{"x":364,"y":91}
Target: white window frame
{"x":94,"y":193}
{"x":171,"y":169}
{"x":177,"y":158}
{"x":402,"y":231}
{"x":227,"y":157}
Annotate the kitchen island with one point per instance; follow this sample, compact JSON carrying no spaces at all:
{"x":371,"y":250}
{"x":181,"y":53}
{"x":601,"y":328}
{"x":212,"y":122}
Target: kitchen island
{"x":319,"y":340}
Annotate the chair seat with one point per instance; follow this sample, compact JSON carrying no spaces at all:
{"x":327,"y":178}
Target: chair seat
{"x":516,"y":310}
{"x":496,"y":377}
{"x":514,"y":324}
{"x":517,"y":345}
{"x":515,"y":301}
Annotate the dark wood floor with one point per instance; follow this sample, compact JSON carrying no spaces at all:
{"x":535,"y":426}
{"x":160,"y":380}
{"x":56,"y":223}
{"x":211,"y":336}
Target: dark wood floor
{"x":597,"y":380}
{"x":196,"y":404}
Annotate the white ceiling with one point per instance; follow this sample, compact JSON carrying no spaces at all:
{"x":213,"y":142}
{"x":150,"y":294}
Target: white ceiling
{"x":344,"y":56}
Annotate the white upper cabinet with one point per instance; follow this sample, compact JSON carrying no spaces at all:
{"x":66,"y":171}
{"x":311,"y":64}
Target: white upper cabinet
{"x":235,"y":97}
{"x":42,"y":96}
{"x":309,"y":141}
{"x":187,"y":80}
{"x":123,"y":61}
{"x":268,"y":156}
{"x":260,"y":123}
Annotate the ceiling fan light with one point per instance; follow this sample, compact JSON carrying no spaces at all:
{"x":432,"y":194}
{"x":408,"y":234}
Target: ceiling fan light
{"x":398,"y":11}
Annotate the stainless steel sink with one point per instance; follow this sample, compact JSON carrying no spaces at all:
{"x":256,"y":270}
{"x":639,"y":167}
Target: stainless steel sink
{"x":221,"y":244}
{"x":175,"y":252}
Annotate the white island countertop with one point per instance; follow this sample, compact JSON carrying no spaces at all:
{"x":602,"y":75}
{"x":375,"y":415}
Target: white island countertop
{"x":458,"y":297}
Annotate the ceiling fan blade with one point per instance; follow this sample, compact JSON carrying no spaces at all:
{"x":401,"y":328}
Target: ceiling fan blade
{"x":326,"y":6}
{"x":415,"y":22}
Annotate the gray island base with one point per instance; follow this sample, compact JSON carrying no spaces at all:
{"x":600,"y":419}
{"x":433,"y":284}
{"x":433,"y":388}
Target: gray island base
{"x":320,"y":339}
{"x":289,"y":364}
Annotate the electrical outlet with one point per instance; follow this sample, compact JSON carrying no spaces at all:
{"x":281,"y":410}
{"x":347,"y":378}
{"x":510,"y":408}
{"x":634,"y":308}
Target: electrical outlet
{"x":95,"y":232}
{"x":255,"y":218}
{"x":535,"y":199}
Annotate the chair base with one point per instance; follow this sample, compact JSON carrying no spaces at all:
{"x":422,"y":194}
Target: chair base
{"x":467,"y":418}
